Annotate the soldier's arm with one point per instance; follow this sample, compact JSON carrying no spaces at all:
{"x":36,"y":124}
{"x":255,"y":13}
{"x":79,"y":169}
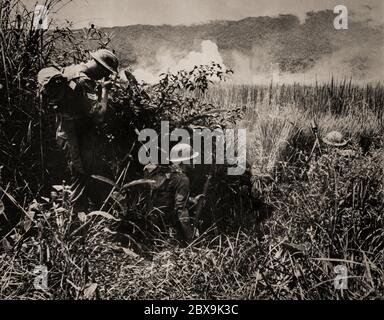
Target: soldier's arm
{"x":182,"y":191}
{"x":181,"y":199}
{"x":103,"y":103}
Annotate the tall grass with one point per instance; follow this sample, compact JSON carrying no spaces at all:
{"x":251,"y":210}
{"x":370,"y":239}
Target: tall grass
{"x":336,"y":97}
{"x":24,"y":50}
{"x":323,"y":217}
{"x":280,"y":116}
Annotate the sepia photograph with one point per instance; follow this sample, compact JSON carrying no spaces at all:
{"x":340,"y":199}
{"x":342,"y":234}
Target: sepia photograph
{"x":192,"y":150}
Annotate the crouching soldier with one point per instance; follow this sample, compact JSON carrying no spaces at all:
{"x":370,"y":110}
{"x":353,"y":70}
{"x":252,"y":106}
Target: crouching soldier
{"x":335,"y":140}
{"x":79,"y":94}
{"x":171,"y":190}
{"x":335,"y":148}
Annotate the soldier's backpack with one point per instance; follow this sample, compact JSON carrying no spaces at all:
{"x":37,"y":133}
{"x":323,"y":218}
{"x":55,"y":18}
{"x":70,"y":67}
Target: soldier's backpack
{"x":53,"y":84}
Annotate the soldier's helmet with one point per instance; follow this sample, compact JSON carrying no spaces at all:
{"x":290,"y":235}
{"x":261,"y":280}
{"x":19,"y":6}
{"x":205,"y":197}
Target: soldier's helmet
{"x":182,"y":152}
{"x":107,"y":59}
{"x":335,"y":139}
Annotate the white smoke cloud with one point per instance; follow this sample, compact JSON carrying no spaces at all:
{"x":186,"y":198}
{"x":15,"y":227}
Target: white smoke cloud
{"x":361,"y":63}
{"x":209,"y":52}
{"x":170,"y":61}
{"x":145,"y":75}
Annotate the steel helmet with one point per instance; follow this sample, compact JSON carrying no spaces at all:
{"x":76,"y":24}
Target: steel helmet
{"x":335,"y":139}
{"x":182,"y":152}
{"x":107,"y":59}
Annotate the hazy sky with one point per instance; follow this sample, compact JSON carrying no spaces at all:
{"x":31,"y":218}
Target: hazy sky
{"x":127,"y":12}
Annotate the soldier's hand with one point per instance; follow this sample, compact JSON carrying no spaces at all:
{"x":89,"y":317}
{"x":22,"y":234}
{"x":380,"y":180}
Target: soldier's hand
{"x":200,"y":196}
{"x":194,"y":200}
{"x":106,"y":84}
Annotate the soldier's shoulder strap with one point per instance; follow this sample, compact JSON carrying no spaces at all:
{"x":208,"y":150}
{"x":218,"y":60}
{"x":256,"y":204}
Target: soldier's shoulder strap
{"x":75,"y":75}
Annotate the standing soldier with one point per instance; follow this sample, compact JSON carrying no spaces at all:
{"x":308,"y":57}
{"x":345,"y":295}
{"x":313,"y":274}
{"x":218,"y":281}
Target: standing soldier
{"x":171,"y":191}
{"x":80,"y":107}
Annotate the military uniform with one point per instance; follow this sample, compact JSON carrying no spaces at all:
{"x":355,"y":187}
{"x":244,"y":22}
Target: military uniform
{"x":334,"y":154}
{"x":76,"y":121}
{"x":170,"y":194}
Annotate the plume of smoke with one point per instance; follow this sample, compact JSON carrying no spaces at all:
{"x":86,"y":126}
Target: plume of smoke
{"x":361,"y":64}
{"x":356,"y":54}
{"x":173,"y":61}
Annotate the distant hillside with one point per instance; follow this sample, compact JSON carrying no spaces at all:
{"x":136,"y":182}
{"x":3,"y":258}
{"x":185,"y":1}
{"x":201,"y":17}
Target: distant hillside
{"x":252,"y":45}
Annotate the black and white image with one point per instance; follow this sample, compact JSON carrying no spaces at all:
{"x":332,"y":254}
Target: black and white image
{"x":191,"y":150}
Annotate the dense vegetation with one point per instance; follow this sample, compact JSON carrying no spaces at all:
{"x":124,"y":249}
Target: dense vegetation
{"x":275,"y":233}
